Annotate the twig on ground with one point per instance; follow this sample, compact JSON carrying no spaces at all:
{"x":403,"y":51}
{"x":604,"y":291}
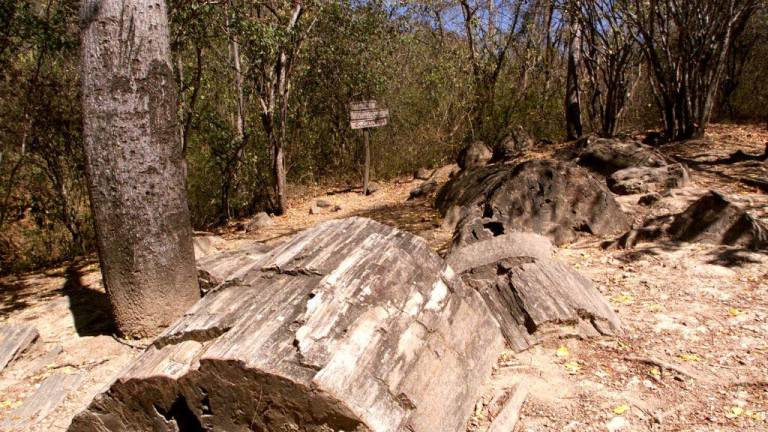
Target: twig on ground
{"x":662,"y":364}
{"x":129,"y":344}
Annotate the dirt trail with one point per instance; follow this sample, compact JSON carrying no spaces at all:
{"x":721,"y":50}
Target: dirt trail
{"x":694,"y":355}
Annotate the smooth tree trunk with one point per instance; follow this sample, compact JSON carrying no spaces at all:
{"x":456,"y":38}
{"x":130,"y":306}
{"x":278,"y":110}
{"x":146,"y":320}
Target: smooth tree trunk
{"x":572,"y":95}
{"x":135,"y":164}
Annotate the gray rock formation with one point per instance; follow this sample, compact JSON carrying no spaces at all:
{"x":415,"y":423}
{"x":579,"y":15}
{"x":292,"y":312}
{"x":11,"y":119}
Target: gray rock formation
{"x":513,"y":245}
{"x":715,"y":219}
{"x":535,"y":299}
{"x":351,"y":325}
{"x":639,"y":180}
{"x":607,"y":156}
{"x":259,"y":221}
{"x":513,"y":145}
{"x":551,"y":198}
{"x":474,"y":155}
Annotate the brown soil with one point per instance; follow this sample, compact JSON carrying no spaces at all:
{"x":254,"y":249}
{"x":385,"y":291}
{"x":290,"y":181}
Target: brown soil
{"x":698,"y":311}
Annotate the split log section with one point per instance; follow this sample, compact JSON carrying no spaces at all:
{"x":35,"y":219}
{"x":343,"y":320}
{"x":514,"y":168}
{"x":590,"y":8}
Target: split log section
{"x":351,"y":325}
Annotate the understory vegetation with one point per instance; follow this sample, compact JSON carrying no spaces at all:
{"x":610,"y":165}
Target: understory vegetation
{"x":275,"y":77}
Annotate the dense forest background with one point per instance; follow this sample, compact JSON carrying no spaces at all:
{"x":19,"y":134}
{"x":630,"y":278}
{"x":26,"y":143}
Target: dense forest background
{"x":258,"y":75}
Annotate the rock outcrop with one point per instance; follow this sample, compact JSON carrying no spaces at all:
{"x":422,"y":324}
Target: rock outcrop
{"x":535,"y":299}
{"x":639,"y":180}
{"x":474,"y":155}
{"x":715,"y":219}
{"x":547,"y":197}
{"x":513,"y":145}
{"x":608,"y":155}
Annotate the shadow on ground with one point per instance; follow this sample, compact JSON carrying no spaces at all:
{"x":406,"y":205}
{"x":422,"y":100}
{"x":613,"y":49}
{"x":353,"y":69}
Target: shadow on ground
{"x":90,"y":308}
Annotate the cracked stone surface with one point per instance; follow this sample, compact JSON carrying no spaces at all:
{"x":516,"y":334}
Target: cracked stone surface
{"x":537,"y":298}
{"x":351,"y":325}
{"x":555,"y":199}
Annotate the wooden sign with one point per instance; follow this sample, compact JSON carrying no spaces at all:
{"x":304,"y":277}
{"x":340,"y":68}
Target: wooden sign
{"x":366,"y":114}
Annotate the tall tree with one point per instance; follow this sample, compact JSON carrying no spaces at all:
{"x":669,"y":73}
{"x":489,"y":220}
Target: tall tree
{"x":611,"y":59}
{"x":273,"y":32}
{"x":134,"y":161}
{"x":686,"y":44}
{"x":572,"y":91}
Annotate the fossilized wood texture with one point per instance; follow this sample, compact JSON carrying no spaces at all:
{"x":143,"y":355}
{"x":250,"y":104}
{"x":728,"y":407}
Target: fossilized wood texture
{"x":608,"y":155}
{"x":548,"y":197}
{"x":518,"y":244}
{"x":14,"y":339}
{"x":42,"y":402}
{"x":538,"y":298}
{"x":714,"y":218}
{"x":648,"y":179}
{"x":206,"y":244}
{"x":351,"y":325}
{"x":221,"y":267}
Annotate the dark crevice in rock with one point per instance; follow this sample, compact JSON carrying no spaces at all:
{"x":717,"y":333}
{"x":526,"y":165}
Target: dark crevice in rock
{"x":182,"y":415}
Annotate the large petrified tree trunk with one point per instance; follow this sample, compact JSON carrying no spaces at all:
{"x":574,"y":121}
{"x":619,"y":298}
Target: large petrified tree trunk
{"x":351,"y":325}
{"x":136,"y":174}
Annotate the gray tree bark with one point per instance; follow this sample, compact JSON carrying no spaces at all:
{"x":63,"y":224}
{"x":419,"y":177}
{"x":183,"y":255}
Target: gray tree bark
{"x":573,"y":93}
{"x":135,"y":164}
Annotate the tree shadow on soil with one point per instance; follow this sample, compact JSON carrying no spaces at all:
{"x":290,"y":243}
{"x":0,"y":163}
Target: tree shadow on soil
{"x":415,"y":216}
{"x":90,"y":308}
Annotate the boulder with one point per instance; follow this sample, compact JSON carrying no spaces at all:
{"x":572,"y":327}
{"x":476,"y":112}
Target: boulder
{"x":513,"y":145}
{"x":608,"y":155}
{"x":423,"y":174}
{"x":323,"y":203}
{"x":318,"y":210}
{"x":474,"y":155}
{"x":639,"y":180}
{"x":446,"y":173}
{"x":649,"y":199}
{"x":423,"y":189}
{"x":716,"y":219}
{"x":351,"y":325}
{"x":535,"y":299}
{"x":259,"y":221}
{"x":551,"y":198}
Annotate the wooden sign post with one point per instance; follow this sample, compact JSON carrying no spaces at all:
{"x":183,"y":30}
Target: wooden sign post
{"x":365,"y":115}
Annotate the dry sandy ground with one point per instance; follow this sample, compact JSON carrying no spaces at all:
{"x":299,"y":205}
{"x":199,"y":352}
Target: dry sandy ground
{"x":693,"y":357}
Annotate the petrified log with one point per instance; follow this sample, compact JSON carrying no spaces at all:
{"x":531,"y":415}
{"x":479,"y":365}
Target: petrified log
{"x":715,"y":219}
{"x":14,"y":339}
{"x":648,"y":179}
{"x":538,"y":298}
{"x":351,"y":325}
{"x":215,"y":269}
{"x":518,"y":244}
{"x":548,"y":197}
{"x":42,"y":402}
{"x":206,"y":244}
{"x":474,"y":155}
{"x":608,"y":155}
